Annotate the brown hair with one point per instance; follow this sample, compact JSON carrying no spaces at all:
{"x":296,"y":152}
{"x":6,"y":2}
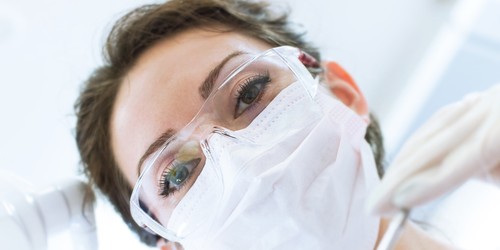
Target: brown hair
{"x":138,"y":31}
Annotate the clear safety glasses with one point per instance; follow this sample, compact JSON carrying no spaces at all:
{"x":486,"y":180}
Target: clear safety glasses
{"x":244,"y":87}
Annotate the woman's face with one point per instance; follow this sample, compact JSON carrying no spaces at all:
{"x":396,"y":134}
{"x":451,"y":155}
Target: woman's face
{"x":161,"y":93}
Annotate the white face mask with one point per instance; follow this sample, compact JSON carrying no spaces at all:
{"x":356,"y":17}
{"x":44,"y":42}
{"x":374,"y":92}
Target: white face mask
{"x":303,"y":190}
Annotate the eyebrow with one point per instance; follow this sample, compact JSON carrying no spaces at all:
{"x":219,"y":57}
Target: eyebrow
{"x":160,"y":141}
{"x":205,"y":89}
{"x":208,"y":84}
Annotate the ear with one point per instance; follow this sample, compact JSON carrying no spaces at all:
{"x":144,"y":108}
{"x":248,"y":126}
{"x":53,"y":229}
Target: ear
{"x":164,"y":245}
{"x":161,"y":244}
{"x":345,"y":89}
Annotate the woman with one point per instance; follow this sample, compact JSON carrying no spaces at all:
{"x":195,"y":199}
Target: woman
{"x":182,"y":88}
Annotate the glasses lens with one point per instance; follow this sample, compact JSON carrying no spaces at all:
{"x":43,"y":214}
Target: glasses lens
{"x":245,"y":86}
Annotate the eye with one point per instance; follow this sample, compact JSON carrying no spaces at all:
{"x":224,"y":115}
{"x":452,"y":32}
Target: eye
{"x":250,"y":92}
{"x":175,"y":177}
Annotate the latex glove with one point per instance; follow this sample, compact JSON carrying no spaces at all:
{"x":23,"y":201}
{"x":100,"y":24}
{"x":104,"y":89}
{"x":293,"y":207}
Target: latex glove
{"x":459,"y":142}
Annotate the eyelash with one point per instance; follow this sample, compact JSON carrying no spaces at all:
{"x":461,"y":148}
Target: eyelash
{"x":189,"y":166}
{"x":163,"y":181}
{"x":263,"y":78}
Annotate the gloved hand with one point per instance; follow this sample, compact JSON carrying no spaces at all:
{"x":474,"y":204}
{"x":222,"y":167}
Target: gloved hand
{"x":459,"y":142}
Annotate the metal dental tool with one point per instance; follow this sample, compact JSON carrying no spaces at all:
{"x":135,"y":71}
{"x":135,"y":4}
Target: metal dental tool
{"x":393,"y":231}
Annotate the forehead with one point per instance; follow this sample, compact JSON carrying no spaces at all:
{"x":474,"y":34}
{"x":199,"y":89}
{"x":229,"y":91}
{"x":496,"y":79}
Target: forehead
{"x":161,"y":91}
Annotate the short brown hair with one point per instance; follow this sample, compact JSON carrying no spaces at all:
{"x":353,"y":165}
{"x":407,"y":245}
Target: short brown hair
{"x":138,"y":31}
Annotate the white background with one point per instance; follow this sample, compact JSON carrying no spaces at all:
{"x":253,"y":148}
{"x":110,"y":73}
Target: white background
{"x":48,"y":48}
